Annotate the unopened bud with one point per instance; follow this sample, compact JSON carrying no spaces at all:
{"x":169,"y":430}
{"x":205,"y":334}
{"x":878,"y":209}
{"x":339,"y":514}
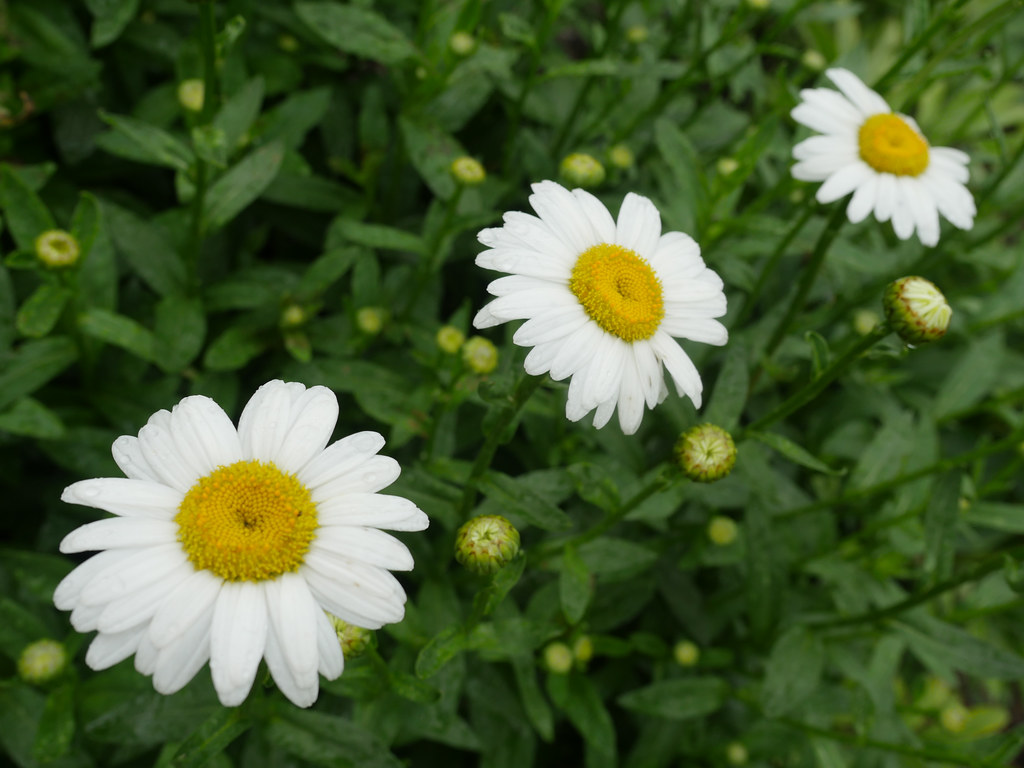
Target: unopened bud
{"x":621,"y":156}
{"x":582,"y":170}
{"x":727,"y":166}
{"x":916,"y":310}
{"x":462,"y":43}
{"x":42,"y":661}
{"x":583,"y":649}
{"x":486,"y":544}
{"x":686,"y":654}
{"x":370,"y":320}
{"x":705,"y":453}
{"x":558,"y":658}
{"x":636,"y":34}
{"x":722,"y":530}
{"x":865,"y":320}
{"x":814,"y":60}
{"x":954,"y":717}
{"x":468,"y":171}
{"x":57,"y":248}
{"x":191,"y":94}
{"x":450,"y":339}
{"x":736,"y":754}
{"x":480,"y":355}
{"x":353,"y":639}
{"x":292,"y":316}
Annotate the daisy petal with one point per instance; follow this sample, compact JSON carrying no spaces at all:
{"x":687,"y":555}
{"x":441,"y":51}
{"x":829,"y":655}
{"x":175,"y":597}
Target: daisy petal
{"x":379,"y":510}
{"x":639,"y":225}
{"x":128,"y":456}
{"x":178,"y":662}
{"x":118,"y":533}
{"x":125,"y":497}
{"x":107,"y":650}
{"x":237,"y":639}
{"x":202,"y":431}
{"x":367,"y":545}
{"x":862,"y":97}
{"x":331,"y":660}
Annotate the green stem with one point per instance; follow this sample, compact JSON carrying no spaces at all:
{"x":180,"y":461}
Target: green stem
{"x":807,"y":277}
{"x":664,"y":480}
{"x":495,"y":437}
{"x":944,"y":465}
{"x":813,"y":388}
{"x":208,"y":51}
{"x":769,"y":267}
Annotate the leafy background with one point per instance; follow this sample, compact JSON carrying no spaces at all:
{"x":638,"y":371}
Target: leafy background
{"x":868,"y":613}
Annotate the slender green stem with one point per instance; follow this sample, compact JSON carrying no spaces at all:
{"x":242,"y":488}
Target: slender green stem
{"x":495,"y":437}
{"x":813,"y":388}
{"x":211,"y":92}
{"x":1011,"y":441}
{"x":807,"y":277}
{"x":769,"y":267}
{"x":663,"y":481}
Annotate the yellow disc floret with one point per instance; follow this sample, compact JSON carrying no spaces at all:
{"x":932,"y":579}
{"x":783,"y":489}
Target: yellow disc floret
{"x":248,"y":521}
{"x":889,"y":145}
{"x":619,"y":291}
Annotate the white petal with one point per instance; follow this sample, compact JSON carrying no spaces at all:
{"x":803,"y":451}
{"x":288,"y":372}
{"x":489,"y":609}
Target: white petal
{"x":902,"y":216}
{"x":190,"y":603}
{"x":821,"y":167}
{"x":161,"y":451}
{"x":575,"y":351}
{"x":331,"y":659}
{"x":265,"y":419}
{"x":313,"y":416}
{"x":367,"y":545}
{"x":348,"y":602}
{"x":143,"y":567}
{"x":145,"y":655}
{"x":630,"y":400}
{"x":528,"y":263}
{"x":340,"y":458}
{"x":118,"y":533}
{"x":85,"y":618}
{"x":604,"y":373}
{"x":948,"y":165}
{"x":292,"y":616}
{"x":679,"y":366}
{"x":378,"y":510}
{"x":702,"y":329}
{"x":553,"y":324}
{"x":953,"y":200}
{"x":922,"y":208}
{"x":600,"y":218}
{"x":639,"y":225}
{"x":67,"y":594}
{"x":140,"y":605}
{"x":885,"y":196}
{"x":178,"y":662}
{"x":238,"y":636}
{"x":561,"y":211}
{"x":539,"y":359}
{"x":649,"y":371}
{"x":484,"y":319}
{"x":301,"y":694}
{"x":128,"y":455}
{"x":522,"y":230}
{"x":371,"y":582}
{"x":376,"y":473}
{"x":204,"y":434}
{"x":835,"y":104}
{"x":677,"y":256}
{"x":954,"y":156}
{"x":604,"y":412}
{"x":863,"y":200}
{"x":526,"y":304}
{"x":862,"y":97}
{"x":820,"y":120}
{"x":843,"y":182}
{"x":125,"y":497}
{"x":107,"y":650}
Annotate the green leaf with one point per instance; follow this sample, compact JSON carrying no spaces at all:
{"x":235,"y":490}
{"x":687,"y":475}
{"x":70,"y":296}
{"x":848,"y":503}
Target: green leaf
{"x":590,"y":717}
{"x":41,"y":311}
{"x":30,"y":418}
{"x":122,"y":332}
{"x":56,"y":726}
{"x":928,"y":636}
{"x":234,"y":348}
{"x":940,"y":518}
{"x":26,"y":216}
{"x":18,"y":628}
{"x":441,"y":649}
{"x":97,"y":269}
{"x":32,"y":365}
{"x":794,"y":452}
{"x":575,"y":586}
{"x":242,"y":184}
{"x":412,"y":688}
{"x":793,"y":671}
{"x":325,"y":271}
{"x":431,"y":151}
{"x":685,"y":191}
{"x":973,"y":376}
{"x":239,"y":112}
{"x":518,"y":499}
{"x":763,"y":569}
{"x":378,"y":236}
{"x":501,"y":584}
{"x":678,"y":699}
{"x":211,"y":738}
{"x":731,"y":388}
{"x":180,"y":327}
{"x":328,"y":740}
{"x":112,"y":16}
{"x":821,"y":355}
{"x":616,"y":559}
{"x":290,"y":121}
{"x":21,"y":708}
{"x":358,"y":31}
{"x":1000,"y":516}
{"x":536,"y":706}
{"x":146,"y":249}
{"x":8,"y":307}
{"x":146,"y":143}
{"x":310,"y":193}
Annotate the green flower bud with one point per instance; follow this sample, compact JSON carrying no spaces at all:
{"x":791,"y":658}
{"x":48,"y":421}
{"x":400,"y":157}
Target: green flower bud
{"x":916,"y":310}
{"x":42,"y":661}
{"x":636,"y":34}
{"x":583,"y":649}
{"x":954,"y":717}
{"x":727,"y":166}
{"x":191,"y":94}
{"x":480,"y":355}
{"x":705,"y":453}
{"x":57,"y":249}
{"x":722,"y":530}
{"x":288,"y":43}
{"x":486,"y":544}
{"x":736,"y":754}
{"x":292,"y":316}
{"x":621,"y":156}
{"x":814,"y":60}
{"x":353,"y":639}
{"x":450,"y":339}
{"x":558,"y":658}
{"x":462,"y":43}
{"x":759,"y":5}
{"x":865,"y":320}
{"x":468,"y":171}
{"x":370,"y":320}
{"x":582,"y":170}
{"x":686,"y":654}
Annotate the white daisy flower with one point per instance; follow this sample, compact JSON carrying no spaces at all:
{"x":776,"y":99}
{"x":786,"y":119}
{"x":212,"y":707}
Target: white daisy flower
{"x":602,"y":300}
{"x":883,"y":158}
{"x":230,"y":546}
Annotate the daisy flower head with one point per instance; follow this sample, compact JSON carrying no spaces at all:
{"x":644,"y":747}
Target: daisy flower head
{"x":882,"y":158}
{"x":602,"y":299}
{"x":229,"y":546}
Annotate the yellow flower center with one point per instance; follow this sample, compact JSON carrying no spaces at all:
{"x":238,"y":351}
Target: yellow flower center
{"x":889,"y":145}
{"x":247,"y":522}
{"x":619,"y":291}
